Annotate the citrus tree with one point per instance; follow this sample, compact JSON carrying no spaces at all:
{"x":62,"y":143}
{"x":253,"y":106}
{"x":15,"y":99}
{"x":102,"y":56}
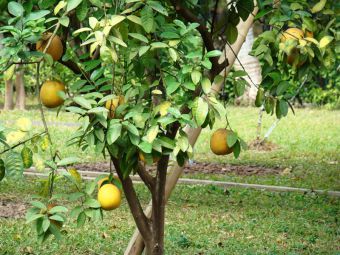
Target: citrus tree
{"x":142,"y":72}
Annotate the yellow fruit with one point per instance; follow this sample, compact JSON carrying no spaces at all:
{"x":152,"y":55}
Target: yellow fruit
{"x":113,"y":103}
{"x":14,"y":137}
{"x":49,"y":93}
{"x":100,"y":182}
{"x":24,"y":124}
{"x":109,"y":197}
{"x":55,"y":49}
{"x":218,"y":142}
{"x":292,"y":34}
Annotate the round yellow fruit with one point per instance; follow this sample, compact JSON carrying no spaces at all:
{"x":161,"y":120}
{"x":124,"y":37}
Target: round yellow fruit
{"x":49,"y":93}
{"x":109,"y":197}
{"x":55,"y":48}
{"x":100,"y":182}
{"x":292,"y":34}
{"x":218,"y":142}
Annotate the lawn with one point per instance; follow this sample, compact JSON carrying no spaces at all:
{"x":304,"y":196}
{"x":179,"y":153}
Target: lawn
{"x":209,"y":219}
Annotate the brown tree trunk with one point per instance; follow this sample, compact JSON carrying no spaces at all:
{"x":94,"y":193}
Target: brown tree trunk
{"x":8,"y":105}
{"x":20,"y":89}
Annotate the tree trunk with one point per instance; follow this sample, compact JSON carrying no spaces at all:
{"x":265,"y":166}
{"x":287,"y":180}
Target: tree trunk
{"x":136,"y":244}
{"x":252,"y":67}
{"x":8,"y":105}
{"x":20,"y":89}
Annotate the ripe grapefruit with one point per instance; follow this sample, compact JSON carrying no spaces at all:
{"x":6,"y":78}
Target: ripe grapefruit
{"x":49,"y":93}
{"x":113,"y":103}
{"x":109,"y":197}
{"x":55,"y":49}
{"x":218,"y":142}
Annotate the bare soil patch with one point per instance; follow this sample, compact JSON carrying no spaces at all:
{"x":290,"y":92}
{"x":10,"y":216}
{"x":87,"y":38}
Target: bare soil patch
{"x":10,"y":208}
{"x":259,"y":145}
{"x":197,"y":167}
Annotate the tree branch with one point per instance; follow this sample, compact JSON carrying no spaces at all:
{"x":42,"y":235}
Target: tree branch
{"x":141,"y":220}
{"x":147,"y":178}
{"x":203,"y":30}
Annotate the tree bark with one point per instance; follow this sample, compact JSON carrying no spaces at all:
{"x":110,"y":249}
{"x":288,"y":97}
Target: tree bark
{"x":252,"y":66}
{"x":136,"y":244}
{"x":20,"y":89}
{"x":8,"y":104}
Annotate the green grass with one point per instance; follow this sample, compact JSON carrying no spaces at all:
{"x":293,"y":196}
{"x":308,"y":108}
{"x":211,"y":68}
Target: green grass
{"x":199,"y":220}
{"x":206,"y":219}
{"x":309,"y":144}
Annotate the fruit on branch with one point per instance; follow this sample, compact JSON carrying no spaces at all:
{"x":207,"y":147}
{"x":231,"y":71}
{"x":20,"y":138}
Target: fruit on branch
{"x":101,"y":183}
{"x":109,"y":197}
{"x":55,"y":49}
{"x":141,"y":156}
{"x":218,"y":142}
{"x":296,"y":34}
{"x":113,"y":103}
{"x":292,"y":33}
{"x":49,"y":93}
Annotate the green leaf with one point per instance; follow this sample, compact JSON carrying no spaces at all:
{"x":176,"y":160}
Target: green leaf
{"x":145,"y":147}
{"x":113,"y":132}
{"x":117,"y":41}
{"x":206,"y":85}
{"x":171,"y":84}
{"x":157,"y":7}
{"x":57,"y":218}
{"x":159,"y":45}
{"x":34,"y":217}
{"x":259,"y":97}
{"x":237,"y":149}
{"x":283,"y":107}
{"x":282,"y":87}
{"x":45,"y":224}
{"x":55,"y":231}
{"x":116,"y":19}
{"x":231,"y":139}
{"x":68,"y":161}
{"x":231,"y":33}
{"x":81,"y":219}
{"x":143,"y":50}
{"x":82,"y":102}
{"x":147,"y":18}
{"x":139,"y":37}
{"x":15,"y":9}
{"x":152,"y":133}
{"x":196,"y":76}
{"x":135,"y":19}
{"x":72,"y":4}
{"x":82,"y":10}
{"x":39,"y":205}
{"x":27,"y":157}
{"x":36,"y":15}
{"x":319,"y":6}
{"x":64,"y":21}
{"x":173,"y":54}
{"x":201,"y":111}
{"x":213,"y":53}
{"x":325,"y":41}
{"x":93,"y":203}
{"x":58,"y":209}
{"x":244,"y":8}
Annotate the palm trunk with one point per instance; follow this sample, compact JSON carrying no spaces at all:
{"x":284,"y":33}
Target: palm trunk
{"x":9,"y":104}
{"x":20,"y":89}
{"x":252,"y":66}
{"x":137,"y":244}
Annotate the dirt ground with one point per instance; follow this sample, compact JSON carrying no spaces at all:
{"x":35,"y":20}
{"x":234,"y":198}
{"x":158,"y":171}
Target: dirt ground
{"x":10,"y":208}
{"x":196,"y":167}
